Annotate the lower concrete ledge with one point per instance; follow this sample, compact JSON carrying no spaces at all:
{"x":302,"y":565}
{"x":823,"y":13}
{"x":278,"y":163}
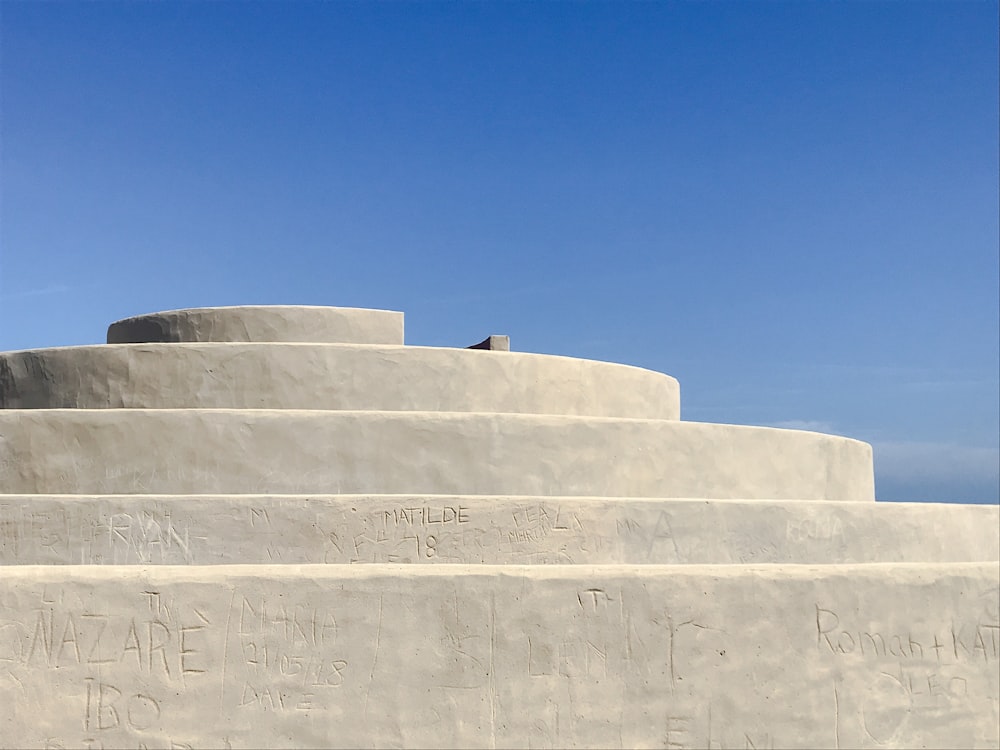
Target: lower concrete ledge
{"x":221,"y":529}
{"x":853,"y":656}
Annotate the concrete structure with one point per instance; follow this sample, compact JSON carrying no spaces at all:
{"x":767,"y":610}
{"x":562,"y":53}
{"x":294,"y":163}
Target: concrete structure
{"x":281,"y":527}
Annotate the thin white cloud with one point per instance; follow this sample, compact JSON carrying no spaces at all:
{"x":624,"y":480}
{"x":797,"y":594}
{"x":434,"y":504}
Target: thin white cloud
{"x":40,"y":292}
{"x":913,"y":461}
{"x":937,"y":386}
{"x":903,"y":376}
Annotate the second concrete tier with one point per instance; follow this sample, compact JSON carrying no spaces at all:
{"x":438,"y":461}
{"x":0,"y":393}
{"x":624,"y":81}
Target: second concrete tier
{"x":430,"y":529}
{"x":185,"y":451}
{"x":330,"y":376}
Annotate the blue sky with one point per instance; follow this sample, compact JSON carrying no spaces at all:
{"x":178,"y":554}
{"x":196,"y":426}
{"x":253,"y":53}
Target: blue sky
{"x":790,"y":207}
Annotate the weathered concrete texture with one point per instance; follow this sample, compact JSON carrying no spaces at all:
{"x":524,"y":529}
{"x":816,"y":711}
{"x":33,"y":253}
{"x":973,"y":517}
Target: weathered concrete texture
{"x":337,"y":325}
{"x":330,"y":376}
{"x":82,"y":451}
{"x":298,"y":529}
{"x":563,"y":587}
{"x":540,"y":656}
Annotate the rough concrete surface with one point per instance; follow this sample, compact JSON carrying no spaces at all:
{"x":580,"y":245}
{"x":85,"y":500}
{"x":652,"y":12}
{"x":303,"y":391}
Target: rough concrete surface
{"x":279,"y":527}
{"x":330,"y":376}
{"x":436,"y":529}
{"x":337,"y":325}
{"x":540,"y":656}
{"x":265,"y":451}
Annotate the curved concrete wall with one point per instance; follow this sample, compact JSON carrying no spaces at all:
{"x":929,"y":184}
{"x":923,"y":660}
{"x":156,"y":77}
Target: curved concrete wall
{"x":848,"y":656}
{"x":556,"y":623}
{"x":338,"y":325}
{"x":469,"y":529}
{"x":194,"y":450}
{"x":330,"y":376}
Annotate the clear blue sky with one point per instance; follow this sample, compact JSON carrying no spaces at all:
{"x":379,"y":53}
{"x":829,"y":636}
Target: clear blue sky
{"x":790,"y":207}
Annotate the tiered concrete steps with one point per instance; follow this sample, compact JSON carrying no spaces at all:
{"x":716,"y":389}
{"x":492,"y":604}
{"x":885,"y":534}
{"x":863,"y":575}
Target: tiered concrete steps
{"x":552,"y":559}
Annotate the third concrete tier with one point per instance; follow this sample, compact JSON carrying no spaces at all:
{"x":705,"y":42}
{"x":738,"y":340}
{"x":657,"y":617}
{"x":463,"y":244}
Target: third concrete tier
{"x":266,"y":451}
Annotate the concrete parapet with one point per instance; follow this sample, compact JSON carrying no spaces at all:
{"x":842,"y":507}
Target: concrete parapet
{"x":509,"y":656}
{"x":239,"y":451}
{"x":446,"y":529}
{"x":338,"y":325}
{"x":493,"y":343}
{"x":330,"y":376}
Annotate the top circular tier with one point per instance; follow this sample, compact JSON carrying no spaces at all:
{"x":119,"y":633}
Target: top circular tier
{"x":260,"y":323}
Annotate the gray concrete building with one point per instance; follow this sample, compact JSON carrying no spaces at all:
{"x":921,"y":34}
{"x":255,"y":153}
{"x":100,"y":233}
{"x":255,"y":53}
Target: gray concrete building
{"x":282,"y":527}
